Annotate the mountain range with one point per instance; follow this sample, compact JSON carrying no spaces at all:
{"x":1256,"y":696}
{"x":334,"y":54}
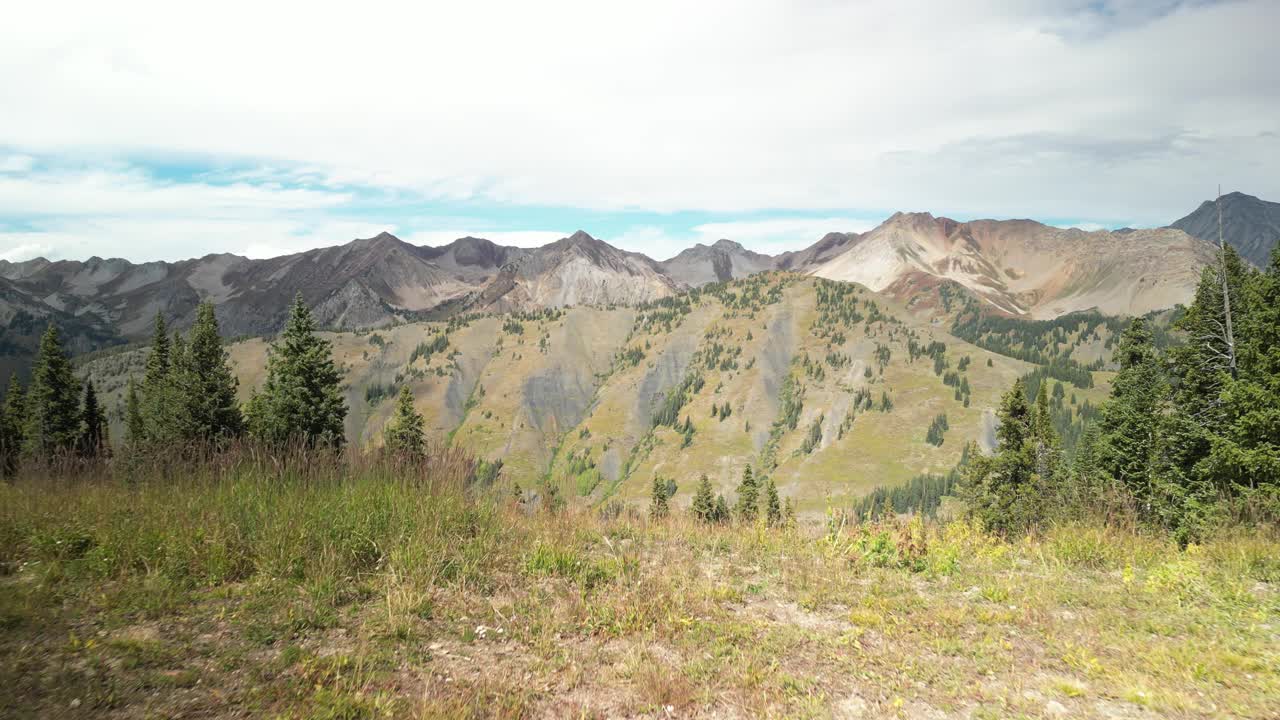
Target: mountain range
{"x":1018,"y":268}
{"x":829,"y":386}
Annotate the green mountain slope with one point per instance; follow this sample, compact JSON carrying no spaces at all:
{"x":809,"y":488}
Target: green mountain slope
{"x":827,"y":387}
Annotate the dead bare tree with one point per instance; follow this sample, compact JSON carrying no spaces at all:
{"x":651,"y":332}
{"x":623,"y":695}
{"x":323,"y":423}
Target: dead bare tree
{"x":1226,"y":292}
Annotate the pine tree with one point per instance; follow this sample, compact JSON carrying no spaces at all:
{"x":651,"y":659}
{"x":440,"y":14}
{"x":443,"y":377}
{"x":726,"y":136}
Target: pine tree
{"x":1247,"y":458}
{"x":207,"y":386}
{"x":1046,"y":446}
{"x":160,"y":402}
{"x":658,"y":508}
{"x":721,"y":514}
{"x":1004,"y":490}
{"x":53,"y":402}
{"x":404,"y":432}
{"x":93,"y":424}
{"x":135,"y":425}
{"x":302,"y":395}
{"x":704,"y":505}
{"x":12,"y":427}
{"x":1127,"y":430}
{"x":1200,"y":370}
{"x":773,"y":505}
{"x":748,"y":497}
{"x":158,"y":359}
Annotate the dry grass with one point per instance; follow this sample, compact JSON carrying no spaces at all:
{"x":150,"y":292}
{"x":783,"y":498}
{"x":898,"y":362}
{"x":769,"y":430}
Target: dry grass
{"x":353,"y":589}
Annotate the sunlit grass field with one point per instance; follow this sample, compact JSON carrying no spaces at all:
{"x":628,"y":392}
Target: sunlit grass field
{"x":350,"y":587}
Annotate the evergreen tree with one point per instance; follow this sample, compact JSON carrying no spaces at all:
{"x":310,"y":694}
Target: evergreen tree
{"x":1200,"y":371}
{"x":93,"y":424}
{"x":134,"y":423}
{"x":721,"y":514}
{"x":302,"y":395}
{"x":748,"y":497}
{"x":704,"y":505}
{"x":1088,"y":485}
{"x":1004,"y":491}
{"x":207,"y":386}
{"x":1046,"y":446}
{"x":53,"y":402}
{"x":158,"y":359}
{"x":1127,"y":430}
{"x":773,"y":505}
{"x":658,"y":499}
{"x":12,"y":426}
{"x":160,"y":401}
{"x":404,"y":432}
{"x":1247,"y":458}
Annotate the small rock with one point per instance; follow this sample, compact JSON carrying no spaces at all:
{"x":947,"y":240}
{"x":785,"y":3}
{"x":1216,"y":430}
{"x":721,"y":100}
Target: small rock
{"x":75,"y":703}
{"x":1055,"y":708}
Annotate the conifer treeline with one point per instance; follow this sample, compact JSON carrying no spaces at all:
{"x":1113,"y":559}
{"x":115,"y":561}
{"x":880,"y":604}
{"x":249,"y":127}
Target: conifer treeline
{"x":187,"y":396}
{"x":1189,"y":438}
{"x":54,"y":417}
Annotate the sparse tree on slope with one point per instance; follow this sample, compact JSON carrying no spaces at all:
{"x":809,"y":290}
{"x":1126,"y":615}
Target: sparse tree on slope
{"x":302,"y":395}
{"x":404,"y":432}
{"x":704,"y":504}
{"x":721,"y":514}
{"x":773,"y":505}
{"x":748,"y":497}
{"x":658,"y":508}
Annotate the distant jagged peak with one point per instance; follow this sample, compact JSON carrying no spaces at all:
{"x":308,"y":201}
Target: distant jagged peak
{"x":723,"y":245}
{"x":581,"y":237}
{"x":382,"y":239}
{"x":593,"y":248}
{"x":472,"y":241}
{"x":728,"y":245}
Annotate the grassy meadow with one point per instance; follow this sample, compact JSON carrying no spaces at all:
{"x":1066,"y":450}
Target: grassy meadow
{"x":323,"y":586}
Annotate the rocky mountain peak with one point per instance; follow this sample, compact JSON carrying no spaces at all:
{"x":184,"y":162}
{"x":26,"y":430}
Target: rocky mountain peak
{"x":728,"y":245}
{"x":1249,"y":224}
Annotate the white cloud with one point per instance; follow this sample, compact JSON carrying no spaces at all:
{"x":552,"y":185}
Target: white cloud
{"x":123,"y":191}
{"x":1039,"y":109}
{"x":1086,"y":226}
{"x":124,"y":212}
{"x":163,"y":238}
{"x":781,"y":234}
{"x":16,"y":247}
{"x":651,"y":240}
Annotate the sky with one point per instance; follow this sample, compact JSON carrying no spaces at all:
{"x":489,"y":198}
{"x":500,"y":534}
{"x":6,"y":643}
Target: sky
{"x":155,"y":131}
